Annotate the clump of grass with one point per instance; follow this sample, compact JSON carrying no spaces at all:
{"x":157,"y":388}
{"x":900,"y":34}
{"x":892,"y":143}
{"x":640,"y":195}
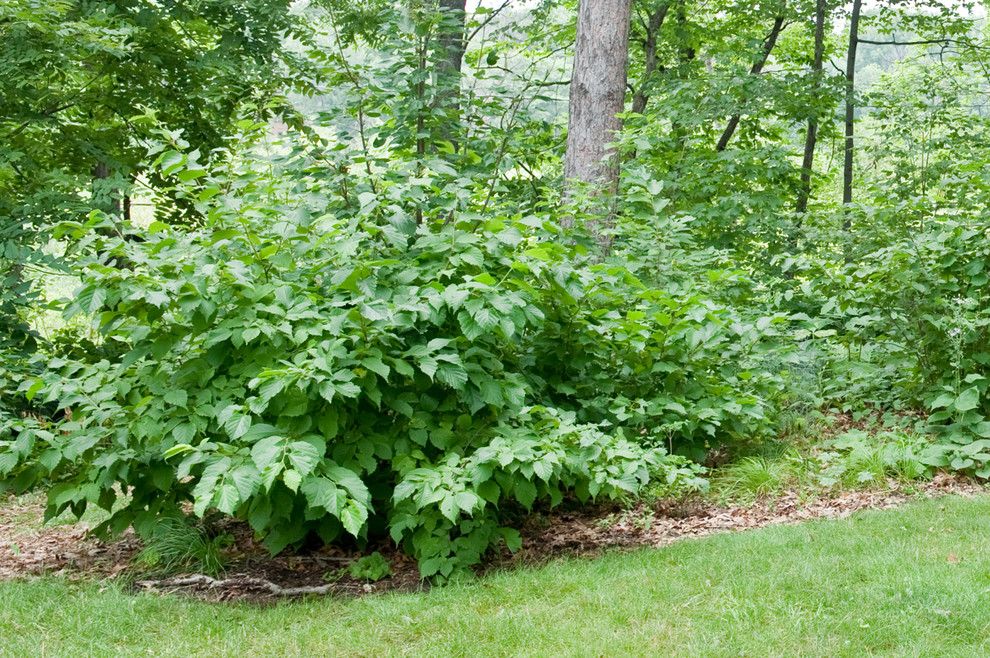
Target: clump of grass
{"x":757,"y":477}
{"x":177,"y":545}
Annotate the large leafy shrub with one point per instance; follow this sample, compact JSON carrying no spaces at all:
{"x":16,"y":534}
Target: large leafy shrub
{"x":316,"y":371}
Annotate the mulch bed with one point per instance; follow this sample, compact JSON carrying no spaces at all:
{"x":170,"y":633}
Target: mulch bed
{"x":27,"y":549}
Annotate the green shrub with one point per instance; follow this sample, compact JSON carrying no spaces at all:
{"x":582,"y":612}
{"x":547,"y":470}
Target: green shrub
{"x":313,"y":369}
{"x":908,"y":326}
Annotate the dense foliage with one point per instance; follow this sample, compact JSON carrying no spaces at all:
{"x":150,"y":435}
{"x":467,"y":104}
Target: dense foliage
{"x":360,"y":304}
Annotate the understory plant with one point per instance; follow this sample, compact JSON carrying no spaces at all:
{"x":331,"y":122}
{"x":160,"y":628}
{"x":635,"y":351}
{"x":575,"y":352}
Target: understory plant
{"x":325,"y":362}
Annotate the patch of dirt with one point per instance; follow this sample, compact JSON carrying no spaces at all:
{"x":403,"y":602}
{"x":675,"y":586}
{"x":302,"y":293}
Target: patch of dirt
{"x":28,"y":549}
{"x":663,"y":523}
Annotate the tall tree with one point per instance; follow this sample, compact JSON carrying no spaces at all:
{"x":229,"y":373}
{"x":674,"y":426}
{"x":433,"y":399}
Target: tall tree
{"x":847,"y":170}
{"x":651,"y":29}
{"x":451,"y":45}
{"x":597,"y":95}
{"x":811,"y":132}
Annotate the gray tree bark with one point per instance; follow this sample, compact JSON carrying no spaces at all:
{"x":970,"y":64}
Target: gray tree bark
{"x":597,"y":96}
{"x":450,"y":41}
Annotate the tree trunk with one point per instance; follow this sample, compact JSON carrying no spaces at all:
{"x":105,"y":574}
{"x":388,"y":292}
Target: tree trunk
{"x":451,"y":46}
{"x":757,"y":68}
{"x":686,"y":54}
{"x":811,"y":133}
{"x":847,"y":171}
{"x":597,"y":94}
{"x":653,"y":25}
{"x":104,"y":196}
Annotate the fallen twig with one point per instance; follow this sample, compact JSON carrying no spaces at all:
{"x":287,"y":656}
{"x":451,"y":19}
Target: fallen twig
{"x":236,"y":582}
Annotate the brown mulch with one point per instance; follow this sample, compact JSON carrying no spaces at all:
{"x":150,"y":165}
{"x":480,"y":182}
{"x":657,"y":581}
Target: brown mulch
{"x":28,"y":549}
{"x":665,"y":523}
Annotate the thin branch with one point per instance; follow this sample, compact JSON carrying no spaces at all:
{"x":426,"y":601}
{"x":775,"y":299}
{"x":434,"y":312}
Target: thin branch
{"x":768,"y":44}
{"x":245,"y":582}
{"x":485,"y":23}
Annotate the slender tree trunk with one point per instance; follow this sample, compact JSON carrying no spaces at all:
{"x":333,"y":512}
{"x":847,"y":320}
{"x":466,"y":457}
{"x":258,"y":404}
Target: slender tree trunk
{"x":757,"y":68}
{"x":811,"y":133}
{"x":104,"y":197}
{"x":597,"y":96}
{"x":653,"y":25}
{"x":686,"y":54}
{"x":847,"y":171}
{"x":450,"y":41}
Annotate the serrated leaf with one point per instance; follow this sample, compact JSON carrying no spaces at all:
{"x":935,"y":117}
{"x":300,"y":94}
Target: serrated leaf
{"x":246,"y":479}
{"x":466,"y":501}
{"x":453,"y":376}
{"x":448,"y":507}
{"x":238,"y":426}
{"x":268,"y":451}
{"x":227,"y":498}
{"x":292,"y":479}
{"x":353,"y":517}
{"x":375,"y":365}
{"x":177,"y":397}
{"x":525,"y":492}
{"x":321,"y":492}
{"x":305,"y":455}
{"x":512,"y":538}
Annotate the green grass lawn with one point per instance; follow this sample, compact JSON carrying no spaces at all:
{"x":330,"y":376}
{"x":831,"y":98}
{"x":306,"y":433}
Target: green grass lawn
{"x":913,"y":581}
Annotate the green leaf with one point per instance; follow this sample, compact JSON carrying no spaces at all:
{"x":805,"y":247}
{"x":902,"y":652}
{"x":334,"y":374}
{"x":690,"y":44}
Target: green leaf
{"x":238,"y":425}
{"x":525,"y":492}
{"x":454,"y":296}
{"x":227,"y":498}
{"x":184,"y":432}
{"x":375,"y":365}
{"x":967,"y":400}
{"x":306,"y":455}
{"x":247,"y":480}
{"x":321,"y":492}
{"x":943,"y":400}
{"x":292,"y":479}
{"x":177,"y":449}
{"x":268,"y":451}
{"x":512,"y":538}
{"x":448,"y":507}
{"x":466,"y":501}
{"x":353,"y":517}
{"x":453,"y":376}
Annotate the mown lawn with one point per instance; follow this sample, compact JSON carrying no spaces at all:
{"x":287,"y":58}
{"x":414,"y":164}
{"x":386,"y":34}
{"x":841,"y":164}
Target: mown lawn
{"x":913,"y":581}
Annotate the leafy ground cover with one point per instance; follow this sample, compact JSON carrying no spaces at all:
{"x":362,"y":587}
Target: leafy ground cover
{"x":907,"y":582}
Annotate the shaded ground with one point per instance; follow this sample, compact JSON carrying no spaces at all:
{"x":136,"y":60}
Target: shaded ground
{"x":29,"y":548}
